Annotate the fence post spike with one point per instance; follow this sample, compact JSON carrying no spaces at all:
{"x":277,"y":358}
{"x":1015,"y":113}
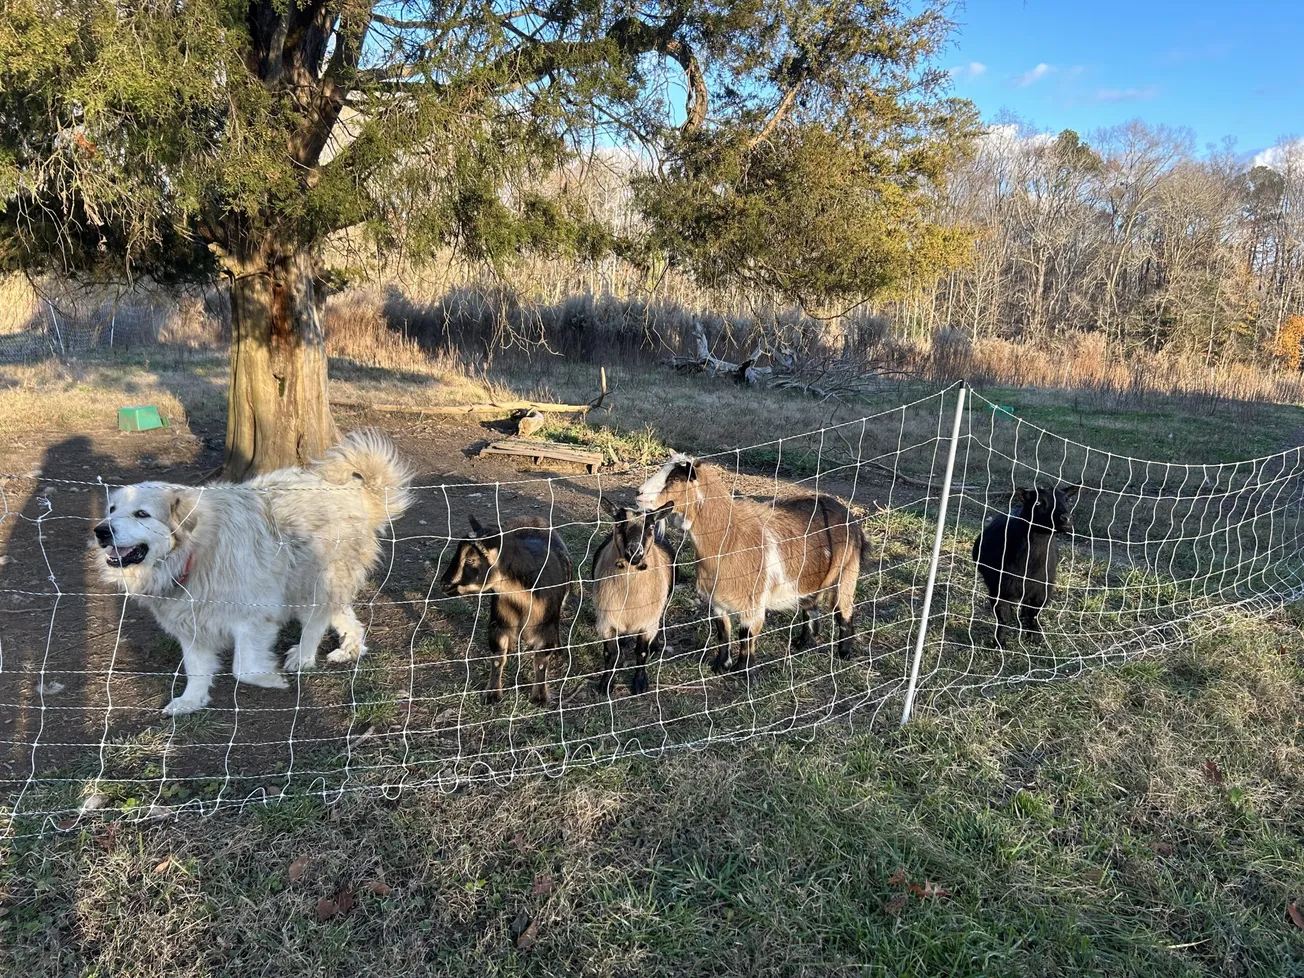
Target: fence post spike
{"x":913,"y":686}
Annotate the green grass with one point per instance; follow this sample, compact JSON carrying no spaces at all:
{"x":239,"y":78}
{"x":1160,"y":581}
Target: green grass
{"x":1142,"y":819}
{"x":618,"y":447}
{"x":1075,"y":829}
{"x":1168,"y":429}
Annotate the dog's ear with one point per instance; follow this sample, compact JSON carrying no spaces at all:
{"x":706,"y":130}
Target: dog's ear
{"x":185,"y":503}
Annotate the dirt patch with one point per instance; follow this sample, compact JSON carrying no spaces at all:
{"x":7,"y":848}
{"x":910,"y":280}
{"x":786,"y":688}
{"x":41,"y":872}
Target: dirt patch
{"x":84,"y":674}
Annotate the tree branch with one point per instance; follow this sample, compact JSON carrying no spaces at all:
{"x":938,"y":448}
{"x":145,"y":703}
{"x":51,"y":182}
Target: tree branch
{"x":781,"y":110}
{"x":696,"y":104}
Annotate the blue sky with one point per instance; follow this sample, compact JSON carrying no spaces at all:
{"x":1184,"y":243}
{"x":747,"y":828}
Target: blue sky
{"x":1222,"y":69}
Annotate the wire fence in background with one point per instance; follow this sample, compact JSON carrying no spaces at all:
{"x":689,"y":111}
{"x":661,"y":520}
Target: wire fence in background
{"x":1159,"y":552}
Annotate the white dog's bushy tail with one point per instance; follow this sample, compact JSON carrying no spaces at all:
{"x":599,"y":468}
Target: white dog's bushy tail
{"x":370,"y":455}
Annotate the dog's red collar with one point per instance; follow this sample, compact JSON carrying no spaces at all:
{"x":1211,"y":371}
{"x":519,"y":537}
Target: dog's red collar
{"x":185,"y":571}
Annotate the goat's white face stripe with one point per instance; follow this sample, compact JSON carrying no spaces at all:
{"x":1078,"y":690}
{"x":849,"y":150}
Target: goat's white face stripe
{"x":650,"y":491}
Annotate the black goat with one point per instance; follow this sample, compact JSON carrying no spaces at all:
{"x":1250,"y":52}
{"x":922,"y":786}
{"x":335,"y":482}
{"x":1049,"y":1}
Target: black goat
{"x":527,"y":570}
{"x":1017,"y":556}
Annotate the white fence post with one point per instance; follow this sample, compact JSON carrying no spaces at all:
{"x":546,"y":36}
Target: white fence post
{"x":912,"y":688}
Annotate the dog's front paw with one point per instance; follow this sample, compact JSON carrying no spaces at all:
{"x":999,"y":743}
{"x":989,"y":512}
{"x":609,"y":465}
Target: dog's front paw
{"x":297,"y":660}
{"x":267,"y":680}
{"x":351,"y":649}
{"x":182,"y":705}
{"x":344,"y":656}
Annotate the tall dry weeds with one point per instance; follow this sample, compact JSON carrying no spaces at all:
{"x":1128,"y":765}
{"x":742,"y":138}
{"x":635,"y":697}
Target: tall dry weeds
{"x":607,"y":317}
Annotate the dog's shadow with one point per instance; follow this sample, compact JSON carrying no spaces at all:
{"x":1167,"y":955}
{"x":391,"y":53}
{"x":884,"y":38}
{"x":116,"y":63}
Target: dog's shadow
{"x":72,"y":655}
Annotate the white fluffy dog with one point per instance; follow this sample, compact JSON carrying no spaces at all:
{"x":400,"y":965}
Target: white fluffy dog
{"x":227,"y":565}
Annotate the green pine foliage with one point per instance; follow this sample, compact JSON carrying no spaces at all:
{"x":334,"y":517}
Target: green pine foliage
{"x":157,"y":138}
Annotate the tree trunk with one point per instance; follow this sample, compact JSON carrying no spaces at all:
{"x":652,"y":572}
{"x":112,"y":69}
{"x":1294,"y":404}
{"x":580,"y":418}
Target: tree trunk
{"x":278,"y":412}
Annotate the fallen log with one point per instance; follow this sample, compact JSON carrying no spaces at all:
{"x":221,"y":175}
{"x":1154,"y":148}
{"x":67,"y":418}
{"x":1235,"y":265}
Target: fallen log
{"x":491,"y":407}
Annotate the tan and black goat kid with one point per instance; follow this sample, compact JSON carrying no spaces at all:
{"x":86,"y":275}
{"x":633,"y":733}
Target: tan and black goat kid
{"x":754,"y":557}
{"x":526,"y":568}
{"x":633,"y":575}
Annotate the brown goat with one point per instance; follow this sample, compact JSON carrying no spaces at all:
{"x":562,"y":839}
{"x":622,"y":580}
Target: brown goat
{"x":527,"y":570}
{"x":633,"y":575}
{"x":754,"y":557}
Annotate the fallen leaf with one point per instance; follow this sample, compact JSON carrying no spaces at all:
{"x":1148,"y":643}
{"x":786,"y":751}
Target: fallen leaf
{"x":1283,"y":650}
{"x":108,"y":837}
{"x":527,"y":938}
{"x":543,"y":885}
{"x":1212,"y":771}
{"x":327,"y":908}
{"x":163,"y":866}
{"x":933,"y":890}
{"x":1161,"y":848}
{"x":521,"y":926}
{"x":296,"y":869}
{"x":378,"y":887}
{"x":66,"y":825}
{"x":896,"y":904}
{"x":1296,"y":916}
{"x":345,"y":898}
{"x":897,"y":878}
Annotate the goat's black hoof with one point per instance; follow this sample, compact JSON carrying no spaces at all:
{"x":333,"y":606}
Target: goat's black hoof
{"x":721,"y":664}
{"x":491,"y":696}
{"x":846,"y":651}
{"x":638,"y":683}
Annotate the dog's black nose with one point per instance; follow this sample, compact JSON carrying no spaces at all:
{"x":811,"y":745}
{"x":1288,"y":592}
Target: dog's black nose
{"x":103,"y":534}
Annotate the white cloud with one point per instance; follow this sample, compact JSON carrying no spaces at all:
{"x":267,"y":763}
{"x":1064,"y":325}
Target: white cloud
{"x":1279,"y":156}
{"x":1036,"y":74}
{"x":1007,"y":141}
{"x":970,"y":71}
{"x":1126,"y":94}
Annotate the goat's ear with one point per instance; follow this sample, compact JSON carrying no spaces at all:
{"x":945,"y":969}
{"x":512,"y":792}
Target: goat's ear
{"x":689,"y":468}
{"x":661,"y":512}
{"x":607,"y":506}
{"x":1028,"y":496}
{"x":476,"y":529}
{"x":1070,"y":492}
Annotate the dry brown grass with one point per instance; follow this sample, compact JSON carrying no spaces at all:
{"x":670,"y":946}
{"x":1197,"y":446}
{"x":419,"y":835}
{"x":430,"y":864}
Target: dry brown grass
{"x":54,"y":396}
{"x":442,"y":328}
{"x":1083,"y":362}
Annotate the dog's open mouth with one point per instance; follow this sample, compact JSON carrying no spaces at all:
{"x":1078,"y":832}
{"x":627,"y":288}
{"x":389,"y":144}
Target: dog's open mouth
{"x":125,"y":556}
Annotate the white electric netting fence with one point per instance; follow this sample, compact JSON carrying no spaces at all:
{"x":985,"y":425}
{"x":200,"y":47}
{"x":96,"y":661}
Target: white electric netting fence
{"x":1159,"y":552}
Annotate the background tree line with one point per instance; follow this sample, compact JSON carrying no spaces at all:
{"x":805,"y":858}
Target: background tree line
{"x":1129,"y":234}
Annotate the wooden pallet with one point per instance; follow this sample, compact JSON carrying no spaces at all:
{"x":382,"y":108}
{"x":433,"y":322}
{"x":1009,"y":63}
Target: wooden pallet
{"x":539,"y":450}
